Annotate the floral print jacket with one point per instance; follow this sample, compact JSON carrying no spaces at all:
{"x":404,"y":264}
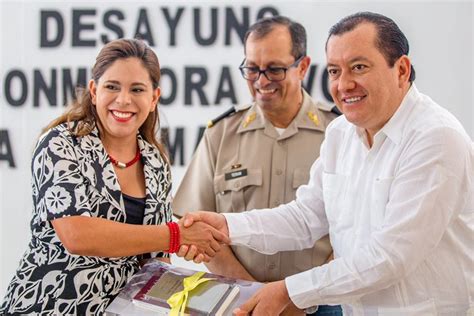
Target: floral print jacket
{"x":73,"y":176}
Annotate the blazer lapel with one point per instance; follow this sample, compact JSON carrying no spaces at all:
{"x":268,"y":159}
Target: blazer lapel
{"x":156,"y":173}
{"x":98,"y":170}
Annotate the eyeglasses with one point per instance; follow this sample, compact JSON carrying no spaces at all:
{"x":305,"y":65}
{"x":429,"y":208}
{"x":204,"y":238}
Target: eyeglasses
{"x":271,"y":73}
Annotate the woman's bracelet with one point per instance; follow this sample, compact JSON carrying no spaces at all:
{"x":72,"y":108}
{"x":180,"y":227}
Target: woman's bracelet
{"x":174,"y":237}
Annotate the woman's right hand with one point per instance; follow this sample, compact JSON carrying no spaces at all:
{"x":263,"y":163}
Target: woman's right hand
{"x":203,"y":237}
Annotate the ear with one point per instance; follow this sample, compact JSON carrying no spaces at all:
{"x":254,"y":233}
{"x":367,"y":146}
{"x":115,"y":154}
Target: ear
{"x":93,"y":91}
{"x":304,"y":66}
{"x":403,"y":65}
{"x":155,"y":99}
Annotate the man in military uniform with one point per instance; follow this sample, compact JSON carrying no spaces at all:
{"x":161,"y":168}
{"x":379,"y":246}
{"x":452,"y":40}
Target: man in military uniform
{"x":257,"y":155}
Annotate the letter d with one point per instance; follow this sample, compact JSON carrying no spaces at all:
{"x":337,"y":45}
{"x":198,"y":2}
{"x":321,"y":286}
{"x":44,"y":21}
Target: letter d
{"x":47,"y":38}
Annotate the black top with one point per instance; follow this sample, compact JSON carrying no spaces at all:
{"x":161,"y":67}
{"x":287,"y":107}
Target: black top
{"x":134,"y":208}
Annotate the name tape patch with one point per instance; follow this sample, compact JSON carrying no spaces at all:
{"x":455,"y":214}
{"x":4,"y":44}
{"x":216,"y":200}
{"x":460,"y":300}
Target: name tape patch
{"x":235,"y":174}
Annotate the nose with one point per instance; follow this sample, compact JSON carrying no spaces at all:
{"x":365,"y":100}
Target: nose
{"x":123,"y":98}
{"x":262,"y":81}
{"x":345,"y":82}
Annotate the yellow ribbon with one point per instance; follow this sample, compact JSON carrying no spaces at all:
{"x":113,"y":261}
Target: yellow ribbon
{"x":178,"y":300}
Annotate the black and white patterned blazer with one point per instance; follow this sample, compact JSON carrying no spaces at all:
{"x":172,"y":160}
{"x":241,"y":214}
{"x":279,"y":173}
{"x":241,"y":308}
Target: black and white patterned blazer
{"x":73,"y":176}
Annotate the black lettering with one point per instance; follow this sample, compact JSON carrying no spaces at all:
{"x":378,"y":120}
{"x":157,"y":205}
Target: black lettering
{"x":23,"y":88}
{"x":233,"y":24}
{"x":325,"y":86}
{"x":173,"y":88}
{"x":197,"y":27}
{"x":308,"y":83}
{"x":225,"y":80}
{"x":47,"y":38}
{"x":267,"y":12}
{"x":189,"y":84}
{"x":144,"y":22}
{"x":174,"y":147}
{"x":39,"y":85}
{"x":6,"y":153}
{"x":172,"y":23}
{"x":108,"y":18}
{"x":69,"y":87}
{"x":201,"y":131}
{"x":78,"y":27}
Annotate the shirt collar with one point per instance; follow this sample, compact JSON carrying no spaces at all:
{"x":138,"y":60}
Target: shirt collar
{"x":395,"y":126}
{"x":308,"y":117}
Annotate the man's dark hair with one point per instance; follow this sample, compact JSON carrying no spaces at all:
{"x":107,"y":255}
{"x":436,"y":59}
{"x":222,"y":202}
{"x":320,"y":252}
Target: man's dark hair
{"x":390,"y":40}
{"x":264,"y":26}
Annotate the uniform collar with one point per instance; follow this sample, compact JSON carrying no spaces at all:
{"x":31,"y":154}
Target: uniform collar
{"x":308,"y":117}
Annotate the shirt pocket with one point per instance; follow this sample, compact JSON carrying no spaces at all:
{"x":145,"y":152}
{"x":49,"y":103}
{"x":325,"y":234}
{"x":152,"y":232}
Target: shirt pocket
{"x":300,"y":177}
{"x":334,"y":189}
{"x":380,"y":197}
{"x":231,"y":193}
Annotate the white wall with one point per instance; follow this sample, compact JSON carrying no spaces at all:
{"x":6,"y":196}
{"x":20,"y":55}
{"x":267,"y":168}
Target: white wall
{"x":440,"y":34}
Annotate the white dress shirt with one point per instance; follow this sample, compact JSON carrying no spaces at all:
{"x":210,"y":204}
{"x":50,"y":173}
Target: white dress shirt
{"x":400,"y":217}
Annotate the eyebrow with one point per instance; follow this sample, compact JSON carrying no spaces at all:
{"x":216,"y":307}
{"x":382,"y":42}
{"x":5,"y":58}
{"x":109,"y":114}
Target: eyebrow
{"x":351,"y":61}
{"x":118,"y":82}
{"x":273,"y":63}
{"x":359,"y":58}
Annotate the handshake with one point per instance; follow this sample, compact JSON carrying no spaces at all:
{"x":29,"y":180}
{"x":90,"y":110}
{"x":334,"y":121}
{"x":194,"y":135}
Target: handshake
{"x":201,"y":235}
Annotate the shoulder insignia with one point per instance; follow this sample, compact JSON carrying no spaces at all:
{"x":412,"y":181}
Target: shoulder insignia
{"x":313,"y":117}
{"x":227,"y":113}
{"x":249,"y":119}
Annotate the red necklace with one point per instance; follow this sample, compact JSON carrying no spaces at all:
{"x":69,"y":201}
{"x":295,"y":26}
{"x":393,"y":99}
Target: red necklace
{"x":124,"y":165}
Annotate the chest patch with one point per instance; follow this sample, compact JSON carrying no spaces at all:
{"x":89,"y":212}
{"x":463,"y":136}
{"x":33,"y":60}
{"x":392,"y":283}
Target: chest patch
{"x":235,"y":174}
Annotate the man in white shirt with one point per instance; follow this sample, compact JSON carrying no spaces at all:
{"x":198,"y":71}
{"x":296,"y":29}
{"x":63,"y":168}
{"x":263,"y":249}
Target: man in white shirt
{"x":394,"y":188}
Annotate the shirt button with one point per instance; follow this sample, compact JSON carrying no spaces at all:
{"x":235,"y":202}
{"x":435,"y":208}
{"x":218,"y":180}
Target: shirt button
{"x":237,"y":184}
{"x":271,"y":266}
{"x":277,"y":202}
{"x":281,"y":142}
{"x":279,"y":172}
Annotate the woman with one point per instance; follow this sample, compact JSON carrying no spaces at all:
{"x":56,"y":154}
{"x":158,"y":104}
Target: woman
{"x":101,"y":190}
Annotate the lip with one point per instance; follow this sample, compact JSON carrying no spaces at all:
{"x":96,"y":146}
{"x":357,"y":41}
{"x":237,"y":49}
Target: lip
{"x":121,"y":116}
{"x":352,"y":100}
{"x":266,"y":93}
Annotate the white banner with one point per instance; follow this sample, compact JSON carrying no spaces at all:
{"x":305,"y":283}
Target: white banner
{"x":49,"y":47}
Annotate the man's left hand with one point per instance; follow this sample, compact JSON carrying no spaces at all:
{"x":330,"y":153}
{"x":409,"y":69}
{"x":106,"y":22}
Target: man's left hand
{"x":271,"y":299}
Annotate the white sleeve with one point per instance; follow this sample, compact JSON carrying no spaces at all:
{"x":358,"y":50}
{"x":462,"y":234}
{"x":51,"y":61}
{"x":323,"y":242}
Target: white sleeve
{"x":293,"y":226}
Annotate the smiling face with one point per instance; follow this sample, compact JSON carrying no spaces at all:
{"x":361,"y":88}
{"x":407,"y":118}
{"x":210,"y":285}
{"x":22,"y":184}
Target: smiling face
{"x":280,"y":100}
{"x":365,"y":88}
{"x":123,"y":97}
